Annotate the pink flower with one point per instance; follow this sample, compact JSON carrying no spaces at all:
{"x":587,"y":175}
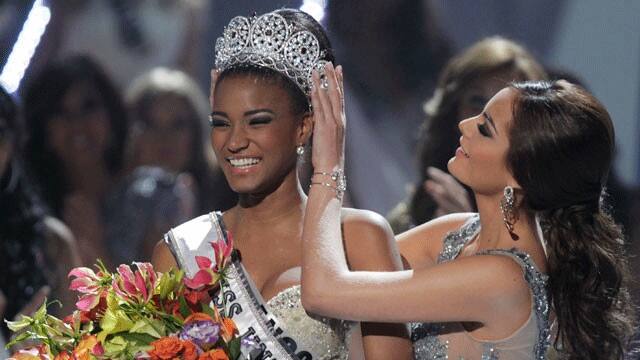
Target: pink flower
{"x":88,"y":283}
{"x":40,"y":352}
{"x":136,"y":286}
{"x":209,"y":272}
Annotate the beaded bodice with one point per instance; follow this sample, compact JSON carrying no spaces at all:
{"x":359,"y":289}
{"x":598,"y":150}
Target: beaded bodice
{"x":322,"y":336}
{"x":438,"y":340}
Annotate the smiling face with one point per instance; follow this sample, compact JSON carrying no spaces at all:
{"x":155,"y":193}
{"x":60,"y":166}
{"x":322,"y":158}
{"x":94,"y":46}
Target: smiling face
{"x":255,"y":133}
{"x":480,"y":161}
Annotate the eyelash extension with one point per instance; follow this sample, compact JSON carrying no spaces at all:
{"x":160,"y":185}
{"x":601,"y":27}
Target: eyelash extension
{"x":484,"y":130}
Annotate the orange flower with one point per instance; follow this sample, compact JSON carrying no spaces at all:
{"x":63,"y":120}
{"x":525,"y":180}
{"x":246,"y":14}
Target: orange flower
{"x":85,"y":348}
{"x":166,"y":348}
{"x":198,"y":316}
{"x":228,"y":329}
{"x":63,"y":356}
{"x":190,"y":351}
{"x":216,"y":354}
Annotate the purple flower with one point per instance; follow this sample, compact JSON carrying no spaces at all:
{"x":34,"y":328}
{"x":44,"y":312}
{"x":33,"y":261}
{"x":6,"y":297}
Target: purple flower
{"x":202,"y":333}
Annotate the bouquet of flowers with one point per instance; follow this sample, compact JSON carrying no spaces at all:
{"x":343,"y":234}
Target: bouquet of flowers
{"x":137,"y":314}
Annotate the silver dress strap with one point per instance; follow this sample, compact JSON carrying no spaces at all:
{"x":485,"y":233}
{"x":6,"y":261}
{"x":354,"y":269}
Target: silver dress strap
{"x":538,"y":282}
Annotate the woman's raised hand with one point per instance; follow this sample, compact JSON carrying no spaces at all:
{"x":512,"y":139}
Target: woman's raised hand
{"x":327,"y":99}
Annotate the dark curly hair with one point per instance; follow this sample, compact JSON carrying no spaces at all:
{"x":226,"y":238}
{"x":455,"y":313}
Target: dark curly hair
{"x":43,"y":97}
{"x":561,"y":149}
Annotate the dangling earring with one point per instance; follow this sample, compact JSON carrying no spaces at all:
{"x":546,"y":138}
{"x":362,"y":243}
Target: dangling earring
{"x":509,"y":211}
{"x":300,"y":150}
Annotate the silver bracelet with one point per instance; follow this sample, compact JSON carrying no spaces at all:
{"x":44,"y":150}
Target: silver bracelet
{"x":338,"y":177}
{"x":339,"y":193}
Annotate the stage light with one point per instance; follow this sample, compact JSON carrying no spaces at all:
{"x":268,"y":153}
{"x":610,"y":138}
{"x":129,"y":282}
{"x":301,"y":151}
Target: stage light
{"x":314,"y":8}
{"x":24,"y":48}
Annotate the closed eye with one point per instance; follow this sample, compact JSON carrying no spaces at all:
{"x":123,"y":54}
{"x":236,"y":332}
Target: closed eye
{"x":215,"y":122}
{"x":260,"y":120}
{"x":484,"y":130}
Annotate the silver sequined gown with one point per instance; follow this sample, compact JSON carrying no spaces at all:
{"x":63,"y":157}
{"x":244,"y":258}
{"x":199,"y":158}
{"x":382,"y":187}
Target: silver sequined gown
{"x":451,"y":341}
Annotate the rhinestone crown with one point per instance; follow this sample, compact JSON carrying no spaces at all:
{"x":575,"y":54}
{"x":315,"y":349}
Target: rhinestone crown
{"x":270,"y":41}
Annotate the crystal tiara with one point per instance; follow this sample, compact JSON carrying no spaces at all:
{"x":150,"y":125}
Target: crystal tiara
{"x":270,"y":41}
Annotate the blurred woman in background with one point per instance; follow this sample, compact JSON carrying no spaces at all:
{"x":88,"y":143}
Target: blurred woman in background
{"x":467,"y":82}
{"x":36,"y":250}
{"x":169,"y":113}
{"x":76,"y":149}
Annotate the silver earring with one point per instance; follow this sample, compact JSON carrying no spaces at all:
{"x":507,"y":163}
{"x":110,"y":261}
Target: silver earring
{"x":509,"y":211}
{"x":300,"y":150}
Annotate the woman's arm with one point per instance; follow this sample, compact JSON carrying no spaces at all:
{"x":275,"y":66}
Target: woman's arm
{"x":162,"y":258}
{"x":370,"y":245}
{"x":468,"y":289}
{"x":62,"y":250}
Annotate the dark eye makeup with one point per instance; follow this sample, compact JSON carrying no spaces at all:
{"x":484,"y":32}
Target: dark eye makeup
{"x":484,"y":129}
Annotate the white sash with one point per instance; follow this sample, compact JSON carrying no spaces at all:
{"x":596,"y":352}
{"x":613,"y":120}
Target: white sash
{"x":240,"y":299}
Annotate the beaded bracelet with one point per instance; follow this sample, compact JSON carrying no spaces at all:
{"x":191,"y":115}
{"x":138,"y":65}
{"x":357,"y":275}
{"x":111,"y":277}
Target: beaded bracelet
{"x":338,"y":177}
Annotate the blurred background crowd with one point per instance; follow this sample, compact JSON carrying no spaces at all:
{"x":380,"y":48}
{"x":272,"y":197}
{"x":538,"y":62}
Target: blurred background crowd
{"x":104,"y":142}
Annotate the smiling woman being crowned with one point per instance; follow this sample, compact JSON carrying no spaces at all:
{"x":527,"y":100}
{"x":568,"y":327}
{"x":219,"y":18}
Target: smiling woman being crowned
{"x":261,"y":121}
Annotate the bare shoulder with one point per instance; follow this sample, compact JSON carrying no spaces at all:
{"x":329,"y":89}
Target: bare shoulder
{"x":61,"y":244}
{"x":421,"y":245}
{"x":365,"y":226}
{"x":369,"y":241}
{"x":506,"y":288}
{"x":162,"y":257}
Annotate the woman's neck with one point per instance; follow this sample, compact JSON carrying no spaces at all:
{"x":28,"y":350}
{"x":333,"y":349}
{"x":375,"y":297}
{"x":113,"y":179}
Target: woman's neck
{"x":493,"y":232}
{"x":286,"y":201}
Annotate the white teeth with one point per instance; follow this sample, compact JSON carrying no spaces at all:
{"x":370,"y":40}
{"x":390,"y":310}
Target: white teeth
{"x":243,"y":162}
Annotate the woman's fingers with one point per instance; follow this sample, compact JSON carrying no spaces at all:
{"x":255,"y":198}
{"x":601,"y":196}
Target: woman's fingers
{"x":323,"y":96}
{"x":318,"y":114}
{"x":334,"y":93}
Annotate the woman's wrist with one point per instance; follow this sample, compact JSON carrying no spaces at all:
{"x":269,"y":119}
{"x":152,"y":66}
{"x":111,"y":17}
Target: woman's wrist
{"x":333,"y":179}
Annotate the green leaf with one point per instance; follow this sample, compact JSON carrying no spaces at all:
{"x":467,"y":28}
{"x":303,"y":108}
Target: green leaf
{"x":208,"y":310}
{"x":114,"y":322}
{"x":18,"y":339}
{"x":125,"y":345}
{"x":234,"y":348}
{"x":184,"y":308}
{"x":41,"y":313}
{"x":24,"y":322}
{"x":152,"y":328}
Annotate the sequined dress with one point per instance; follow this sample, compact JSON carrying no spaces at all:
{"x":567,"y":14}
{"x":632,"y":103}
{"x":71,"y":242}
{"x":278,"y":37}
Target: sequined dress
{"x":281,"y":326}
{"x":451,"y":341}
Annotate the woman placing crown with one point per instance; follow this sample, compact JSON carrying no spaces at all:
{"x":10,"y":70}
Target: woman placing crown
{"x":261,"y":121}
{"x":538,"y":153}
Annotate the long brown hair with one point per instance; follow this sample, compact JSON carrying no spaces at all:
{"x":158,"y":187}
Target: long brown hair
{"x":561,"y":149}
